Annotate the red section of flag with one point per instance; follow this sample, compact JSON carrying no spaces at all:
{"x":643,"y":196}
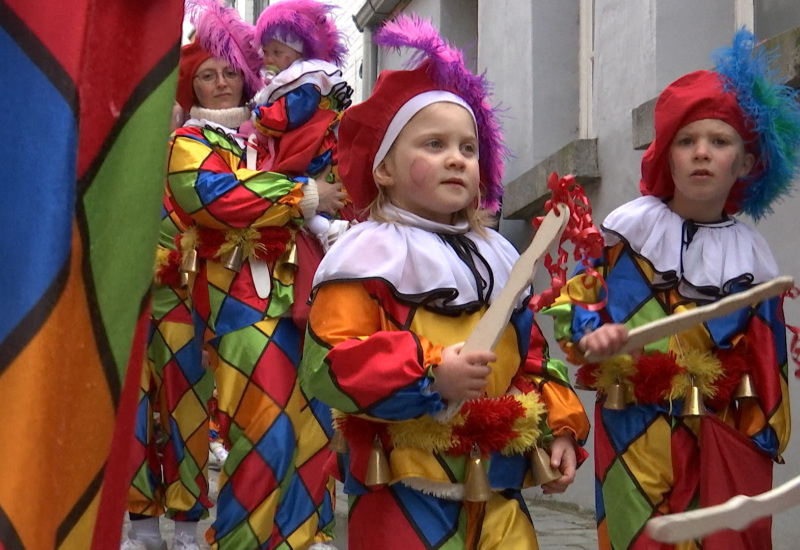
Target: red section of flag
{"x":117,"y":477}
{"x":124,"y":41}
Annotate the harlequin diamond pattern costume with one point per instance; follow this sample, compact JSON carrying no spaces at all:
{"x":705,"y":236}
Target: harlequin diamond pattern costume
{"x":650,"y":460}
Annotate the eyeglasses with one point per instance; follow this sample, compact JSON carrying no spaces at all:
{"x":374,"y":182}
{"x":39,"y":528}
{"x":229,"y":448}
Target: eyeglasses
{"x":209,"y":77}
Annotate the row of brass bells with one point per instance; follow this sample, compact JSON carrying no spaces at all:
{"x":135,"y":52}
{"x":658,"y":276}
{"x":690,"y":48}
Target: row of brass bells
{"x":615,"y":397}
{"x":379,"y":472}
{"x":190,"y":265}
{"x":233,"y":259}
{"x":476,"y":484}
{"x":541,"y":469}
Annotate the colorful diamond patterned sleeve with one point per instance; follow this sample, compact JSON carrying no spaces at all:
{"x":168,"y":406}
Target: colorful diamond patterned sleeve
{"x":289,"y":112}
{"x":207,"y":180}
{"x":356,"y":363}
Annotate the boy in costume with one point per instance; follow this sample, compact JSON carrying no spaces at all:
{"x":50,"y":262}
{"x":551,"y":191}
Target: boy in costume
{"x":727,"y":141}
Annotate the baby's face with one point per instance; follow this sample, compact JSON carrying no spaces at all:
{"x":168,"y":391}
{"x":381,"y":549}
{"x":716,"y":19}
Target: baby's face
{"x":278,"y":56}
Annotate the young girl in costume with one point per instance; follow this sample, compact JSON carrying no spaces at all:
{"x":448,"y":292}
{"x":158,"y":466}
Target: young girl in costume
{"x":397,"y":295}
{"x":297,"y":114}
{"x":236,"y":257}
{"x":726,"y":141}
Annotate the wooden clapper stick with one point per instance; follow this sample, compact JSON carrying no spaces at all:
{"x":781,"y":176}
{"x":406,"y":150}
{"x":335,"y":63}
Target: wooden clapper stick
{"x":740,"y":511}
{"x":490,"y":327}
{"x":737,"y":513}
{"x":673,"y":324}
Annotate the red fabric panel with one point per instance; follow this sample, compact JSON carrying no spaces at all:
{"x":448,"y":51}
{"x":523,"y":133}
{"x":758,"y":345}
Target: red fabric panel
{"x":731,"y":465}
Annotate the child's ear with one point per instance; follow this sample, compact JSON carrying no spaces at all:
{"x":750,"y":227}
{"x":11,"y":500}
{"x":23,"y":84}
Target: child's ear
{"x":383,"y":174}
{"x":748,"y":162}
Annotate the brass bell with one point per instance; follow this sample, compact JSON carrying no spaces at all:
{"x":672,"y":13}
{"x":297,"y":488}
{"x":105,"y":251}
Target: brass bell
{"x":378,"y":469}
{"x":615,"y":398}
{"x":184,"y":279}
{"x":190,"y":263}
{"x":745,"y":388}
{"x":233,"y":259}
{"x":476,"y":484}
{"x":693,"y":403}
{"x":338,"y":443}
{"x":541,"y":469}
{"x":291,"y":257}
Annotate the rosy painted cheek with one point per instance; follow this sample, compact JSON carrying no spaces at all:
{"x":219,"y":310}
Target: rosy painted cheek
{"x":420,"y":171}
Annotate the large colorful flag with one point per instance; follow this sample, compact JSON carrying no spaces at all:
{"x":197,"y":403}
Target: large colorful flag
{"x":88,"y":88}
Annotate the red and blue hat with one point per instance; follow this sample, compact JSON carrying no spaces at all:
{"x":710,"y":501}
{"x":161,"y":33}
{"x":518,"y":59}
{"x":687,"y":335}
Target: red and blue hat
{"x":743,"y":91}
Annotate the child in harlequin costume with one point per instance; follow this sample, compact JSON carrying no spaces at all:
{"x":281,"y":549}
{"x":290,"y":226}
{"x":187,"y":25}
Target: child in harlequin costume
{"x":726,"y":141}
{"x":297,"y":113}
{"x":171,"y":471}
{"x":395,"y":297}
{"x":235,"y":256}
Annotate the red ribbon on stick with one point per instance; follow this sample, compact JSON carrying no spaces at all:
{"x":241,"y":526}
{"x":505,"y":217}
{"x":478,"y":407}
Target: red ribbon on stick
{"x":581,"y":231}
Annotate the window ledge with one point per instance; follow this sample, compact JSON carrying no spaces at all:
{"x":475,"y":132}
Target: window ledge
{"x":524,"y":197}
{"x":787,"y":63}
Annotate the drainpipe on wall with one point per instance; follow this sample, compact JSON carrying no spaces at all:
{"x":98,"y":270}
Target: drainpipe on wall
{"x":371,"y":14}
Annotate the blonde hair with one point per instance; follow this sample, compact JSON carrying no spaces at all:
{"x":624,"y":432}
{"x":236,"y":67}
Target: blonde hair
{"x":477,"y":218}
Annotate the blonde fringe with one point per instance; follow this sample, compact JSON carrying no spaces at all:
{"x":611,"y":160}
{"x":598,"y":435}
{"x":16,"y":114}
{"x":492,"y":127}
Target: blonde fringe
{"x":528,"y":426}
{"x":162,"y":259}
{"x":702,"y":367}
{"x":247,"y":238}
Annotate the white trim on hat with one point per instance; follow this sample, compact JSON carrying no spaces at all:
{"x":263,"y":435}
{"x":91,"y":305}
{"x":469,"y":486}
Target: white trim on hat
{"x":289,"y":39}
{"x":408,"y":110}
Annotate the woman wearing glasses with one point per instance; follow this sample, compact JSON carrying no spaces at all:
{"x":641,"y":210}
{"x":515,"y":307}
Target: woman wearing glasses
{"x":233,"y":253}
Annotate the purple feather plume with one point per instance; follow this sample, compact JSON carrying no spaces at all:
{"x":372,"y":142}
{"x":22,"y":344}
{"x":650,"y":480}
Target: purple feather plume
{"x":310,"y":22}
{"x":445,"y":66}
{"x":222,"y":32}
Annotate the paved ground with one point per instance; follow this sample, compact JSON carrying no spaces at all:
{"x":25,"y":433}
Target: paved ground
{"x":559,"y":526}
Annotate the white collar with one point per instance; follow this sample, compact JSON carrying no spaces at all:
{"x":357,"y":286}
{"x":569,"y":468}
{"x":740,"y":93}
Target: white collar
{"x":416,"y":258}
{"x":327,"y":77}
{"x":705,"y":260}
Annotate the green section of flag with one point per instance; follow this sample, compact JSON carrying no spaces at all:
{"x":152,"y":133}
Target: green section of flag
{"x":122,"y":208}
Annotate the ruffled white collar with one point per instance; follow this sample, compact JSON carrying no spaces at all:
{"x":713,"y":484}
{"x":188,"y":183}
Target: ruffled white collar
{"x":705,"y":260}
{"x":419,"y":259}
{"x":327,"y":77}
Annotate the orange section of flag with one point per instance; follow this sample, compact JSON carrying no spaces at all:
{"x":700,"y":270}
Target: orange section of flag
{"x":60,"y":438}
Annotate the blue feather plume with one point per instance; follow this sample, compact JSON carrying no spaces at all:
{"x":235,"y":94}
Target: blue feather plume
{"x":773,"y":110}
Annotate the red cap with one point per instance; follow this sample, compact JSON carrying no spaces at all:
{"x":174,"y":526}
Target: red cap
{"x":695,"y":96}
{"x":192,"y":56}
{"x":363,"y":127}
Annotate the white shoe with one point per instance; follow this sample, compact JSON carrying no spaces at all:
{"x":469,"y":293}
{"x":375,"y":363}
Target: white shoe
{"x":322,"y":546}
{"x":132,"y":544}
{"x":182,"y":542}
{"x":219,"y":452}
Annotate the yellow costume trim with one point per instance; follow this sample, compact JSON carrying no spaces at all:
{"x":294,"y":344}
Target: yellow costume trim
{"x":429,"y":435}
{"x":247,"y":238}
